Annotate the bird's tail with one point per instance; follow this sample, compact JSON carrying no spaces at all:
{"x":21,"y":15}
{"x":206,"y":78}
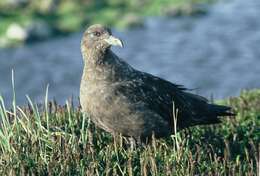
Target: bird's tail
{"x":218,"y":111}
{"x":200,"y":112}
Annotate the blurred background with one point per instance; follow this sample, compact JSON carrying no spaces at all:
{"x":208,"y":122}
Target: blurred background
{"x":212,"y":46}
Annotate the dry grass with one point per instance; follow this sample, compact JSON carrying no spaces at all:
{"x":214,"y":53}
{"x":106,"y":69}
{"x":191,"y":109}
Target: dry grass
{"x":58,"y":140}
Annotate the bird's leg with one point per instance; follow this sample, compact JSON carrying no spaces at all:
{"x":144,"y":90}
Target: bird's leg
{"x":118,"y":140}
{"x":115,"y":140}
{"x":140,"y":142}
{"x":132,"y":143}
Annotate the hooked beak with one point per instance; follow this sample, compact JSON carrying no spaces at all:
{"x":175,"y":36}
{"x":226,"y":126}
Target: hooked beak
{"x":111,"y":40}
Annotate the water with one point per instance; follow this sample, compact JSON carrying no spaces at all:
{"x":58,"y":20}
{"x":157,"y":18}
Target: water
{"x":217,"y":54}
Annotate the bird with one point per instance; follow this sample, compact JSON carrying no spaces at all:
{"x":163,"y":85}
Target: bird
{"x":123,"y":100}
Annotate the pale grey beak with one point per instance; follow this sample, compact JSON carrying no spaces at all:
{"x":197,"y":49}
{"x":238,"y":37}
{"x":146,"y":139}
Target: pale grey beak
{"x":111,"y":40}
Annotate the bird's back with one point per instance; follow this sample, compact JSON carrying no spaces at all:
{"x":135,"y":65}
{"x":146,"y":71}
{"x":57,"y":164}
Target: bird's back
{"x":136,"y":103}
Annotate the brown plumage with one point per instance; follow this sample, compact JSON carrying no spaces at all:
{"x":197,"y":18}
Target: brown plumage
{"x":121,"y":99}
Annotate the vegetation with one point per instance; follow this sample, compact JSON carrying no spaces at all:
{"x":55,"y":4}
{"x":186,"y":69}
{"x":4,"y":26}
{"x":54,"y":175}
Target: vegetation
{"x":50,"y":139}
{"x":65,"y":16}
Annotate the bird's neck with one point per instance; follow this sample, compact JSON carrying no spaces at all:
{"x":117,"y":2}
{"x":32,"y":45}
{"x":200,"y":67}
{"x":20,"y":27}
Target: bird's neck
{"x":98,"y":65}
{"x":94,"y":57}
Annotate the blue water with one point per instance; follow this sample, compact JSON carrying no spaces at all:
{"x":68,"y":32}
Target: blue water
{"x":218,"y":54}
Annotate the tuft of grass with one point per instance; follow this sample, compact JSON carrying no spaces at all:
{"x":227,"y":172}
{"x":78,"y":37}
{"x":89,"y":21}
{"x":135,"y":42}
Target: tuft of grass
{"x":51,"y":139}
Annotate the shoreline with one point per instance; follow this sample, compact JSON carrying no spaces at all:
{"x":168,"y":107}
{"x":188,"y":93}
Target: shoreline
{"x":23,"y":23}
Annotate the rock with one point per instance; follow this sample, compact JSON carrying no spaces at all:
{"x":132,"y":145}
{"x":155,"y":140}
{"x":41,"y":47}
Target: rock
{"x":16,"y":32}
{"x":186,"y":10}
{"x":195,"y":9}
{"x":39,"y":30}
{"x":131,"y":21}
{"x":172,"y":11}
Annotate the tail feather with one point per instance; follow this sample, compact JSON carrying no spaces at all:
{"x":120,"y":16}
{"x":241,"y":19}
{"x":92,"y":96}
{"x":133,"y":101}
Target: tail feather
{"x":214,"y":114}
{"x":200,"y":112}
{"x":220,"y":110}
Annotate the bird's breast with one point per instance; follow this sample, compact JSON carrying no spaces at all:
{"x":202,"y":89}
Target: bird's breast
{"x":109,"y":109}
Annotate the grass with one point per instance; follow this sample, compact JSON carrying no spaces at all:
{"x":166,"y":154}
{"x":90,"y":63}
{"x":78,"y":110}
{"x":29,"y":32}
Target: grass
{"x":51,"y":139}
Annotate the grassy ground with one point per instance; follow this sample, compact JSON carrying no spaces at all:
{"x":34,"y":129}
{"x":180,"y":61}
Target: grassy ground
{"x":57,"y":140}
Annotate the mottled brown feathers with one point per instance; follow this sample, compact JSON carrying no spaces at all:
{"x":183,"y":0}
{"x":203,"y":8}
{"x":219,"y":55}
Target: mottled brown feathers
{"x":121,"y":99}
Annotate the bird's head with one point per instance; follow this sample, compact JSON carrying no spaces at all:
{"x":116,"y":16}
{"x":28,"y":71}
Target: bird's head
{"x":98,"y":38}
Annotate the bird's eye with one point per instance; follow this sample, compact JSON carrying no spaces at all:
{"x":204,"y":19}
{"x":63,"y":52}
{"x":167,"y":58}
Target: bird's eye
{"x":97,"y":34}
